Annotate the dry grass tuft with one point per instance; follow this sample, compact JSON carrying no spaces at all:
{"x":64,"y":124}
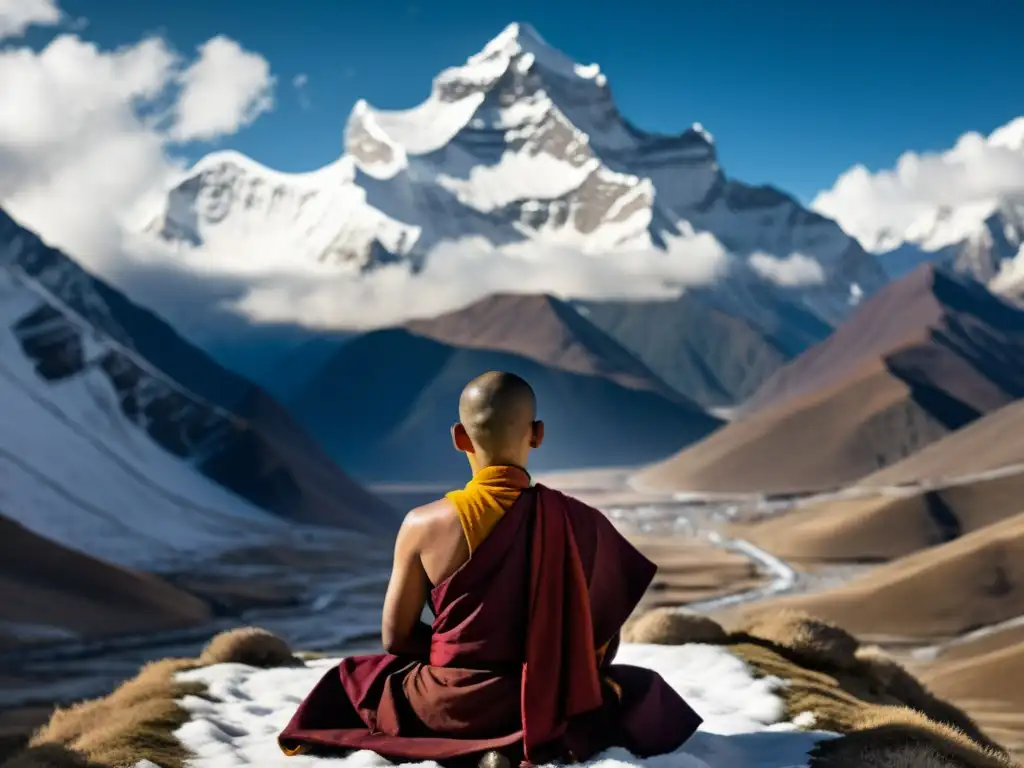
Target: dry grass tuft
{"x":252,"y":646}
{"x":900,"y":736}
{"x":671,"y":626}
{"x":857,"y":699}
{"x":905,"y":688}
{"x":135,"y":722}
{"x":809,"y":638}
{"x":50,"y":756}
{"x":138,"y":720}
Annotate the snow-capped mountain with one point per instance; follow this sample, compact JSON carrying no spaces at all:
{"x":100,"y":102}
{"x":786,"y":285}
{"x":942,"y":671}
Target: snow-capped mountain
{"x":518,"y":145}
{"x":103,"y":451}
{"x":981,"y":238}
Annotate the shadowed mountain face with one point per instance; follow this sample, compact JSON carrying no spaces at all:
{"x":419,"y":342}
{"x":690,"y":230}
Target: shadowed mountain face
{"x":917,"y":325}
{"x":385,"y":403}
{"x":991,"y":443}
{"x":70,"y":325}
{"x":926,"y":356}
{"x":713,"y":357}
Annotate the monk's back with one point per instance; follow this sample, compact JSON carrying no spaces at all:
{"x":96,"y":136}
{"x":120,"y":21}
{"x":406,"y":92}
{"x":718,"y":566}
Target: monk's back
{"x":445,"y":548}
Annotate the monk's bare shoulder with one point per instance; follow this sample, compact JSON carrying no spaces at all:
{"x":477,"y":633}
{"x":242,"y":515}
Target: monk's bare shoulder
{"x":438,"y":518}
{"x":439,"y":539}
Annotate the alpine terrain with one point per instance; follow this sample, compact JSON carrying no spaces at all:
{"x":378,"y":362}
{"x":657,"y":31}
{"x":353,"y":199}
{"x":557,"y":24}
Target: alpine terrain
{"x":519,"y":150}
{"x":142,"y":458}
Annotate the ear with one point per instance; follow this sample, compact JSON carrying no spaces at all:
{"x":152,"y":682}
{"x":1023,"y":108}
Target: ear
{"x":538,"y":434}
{"x":460,"y":439}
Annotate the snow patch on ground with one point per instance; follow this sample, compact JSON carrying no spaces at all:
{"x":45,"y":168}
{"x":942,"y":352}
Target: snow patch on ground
{"x":744,"y":726}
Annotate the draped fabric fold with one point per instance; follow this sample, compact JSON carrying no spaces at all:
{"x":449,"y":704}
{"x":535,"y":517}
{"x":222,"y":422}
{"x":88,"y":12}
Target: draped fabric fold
{"x":521,"y":648}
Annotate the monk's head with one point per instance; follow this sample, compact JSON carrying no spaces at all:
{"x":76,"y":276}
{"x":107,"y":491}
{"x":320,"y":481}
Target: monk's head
{"x":497,"y":421}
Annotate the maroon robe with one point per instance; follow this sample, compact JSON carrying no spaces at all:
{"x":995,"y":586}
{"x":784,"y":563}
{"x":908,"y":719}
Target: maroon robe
{"x":512,"y":662}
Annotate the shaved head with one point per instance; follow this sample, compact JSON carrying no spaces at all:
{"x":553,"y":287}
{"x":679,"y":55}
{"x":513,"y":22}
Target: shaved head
{"x":497,"y":411}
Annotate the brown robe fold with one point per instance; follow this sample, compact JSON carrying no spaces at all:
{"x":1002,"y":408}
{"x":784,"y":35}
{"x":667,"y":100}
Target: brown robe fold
{"x":513,"y":663}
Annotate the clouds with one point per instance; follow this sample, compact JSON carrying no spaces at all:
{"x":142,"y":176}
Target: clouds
{"x":87,"y":134}
{"x":73,"y":151}
{"x":265,"y":290}
{"x":879,"y":208}
{"x":793,"y":271}
{"x":224,"y":90}
{"x":16,"y":16}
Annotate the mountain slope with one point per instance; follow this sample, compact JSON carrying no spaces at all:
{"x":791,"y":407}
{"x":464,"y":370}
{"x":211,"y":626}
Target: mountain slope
{"x":990,"y":443}
{"x":86,"y":405}
{"x":543,"y":329}
{"x":890,"y":524}
{"x":921,"y":318}
{"x":50,"y":592}
{"x":926,"y":356}
{"x":943,"y":591}
{"x":712,"y":357}
{"x":518,"y":146}
{"x":384,"y":403}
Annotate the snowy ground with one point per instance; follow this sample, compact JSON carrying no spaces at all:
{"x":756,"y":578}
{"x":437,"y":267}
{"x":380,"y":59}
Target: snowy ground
{"x":744,"y":726}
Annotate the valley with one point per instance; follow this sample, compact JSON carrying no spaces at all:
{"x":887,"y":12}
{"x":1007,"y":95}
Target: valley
{"x":223,"y":385}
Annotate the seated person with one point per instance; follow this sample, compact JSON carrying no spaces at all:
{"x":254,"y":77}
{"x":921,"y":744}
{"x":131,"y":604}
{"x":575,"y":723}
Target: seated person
{"x":529,"y":589}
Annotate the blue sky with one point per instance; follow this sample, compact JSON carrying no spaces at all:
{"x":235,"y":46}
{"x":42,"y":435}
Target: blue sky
{"x":794,"y":91}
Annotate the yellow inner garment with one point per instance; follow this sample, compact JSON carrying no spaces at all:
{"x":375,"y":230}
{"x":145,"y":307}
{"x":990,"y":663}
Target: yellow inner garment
{"x":485,"y":500}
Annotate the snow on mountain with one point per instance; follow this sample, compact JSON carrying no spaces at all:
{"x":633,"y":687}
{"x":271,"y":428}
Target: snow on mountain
{"x":75,"y":470}
{"x":962,"y":208}
{"x":982,"y":240}
{"x":520,"y":145}
{"x":102,"y":452}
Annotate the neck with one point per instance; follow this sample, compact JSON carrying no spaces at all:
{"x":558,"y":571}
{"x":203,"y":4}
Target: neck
{"x":480,"y":461}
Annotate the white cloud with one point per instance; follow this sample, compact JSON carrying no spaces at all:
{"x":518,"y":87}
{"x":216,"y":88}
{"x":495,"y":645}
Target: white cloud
{"x":83,"y":132}
{"x":879,"y":208}
{"x":455,"y":274}
{"x":224,"y":90}
{"x":16,"y":16}
{"x":793,"y":271}
{"x":73,"y":152}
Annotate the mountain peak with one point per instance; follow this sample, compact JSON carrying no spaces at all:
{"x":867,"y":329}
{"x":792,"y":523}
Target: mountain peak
{"x":557,"y":335}
{"x":518,"y":143}
{"x":521,"y":44}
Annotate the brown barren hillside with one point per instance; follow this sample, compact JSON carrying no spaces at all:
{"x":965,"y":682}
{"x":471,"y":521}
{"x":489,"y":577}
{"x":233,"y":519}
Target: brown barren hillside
{"x":714,"y":357}
{"x":972,"y":582}
{"x":908,"y":324}
{"x":817,"y":443}
{"x":47,"y":590}
{"x":992,"y":442}
{"x":887,"y":526}
{"x":544,"y":329}
{"x":926,"y":356}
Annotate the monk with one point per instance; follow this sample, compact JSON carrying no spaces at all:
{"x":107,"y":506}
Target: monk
{"x":528,"y":589}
